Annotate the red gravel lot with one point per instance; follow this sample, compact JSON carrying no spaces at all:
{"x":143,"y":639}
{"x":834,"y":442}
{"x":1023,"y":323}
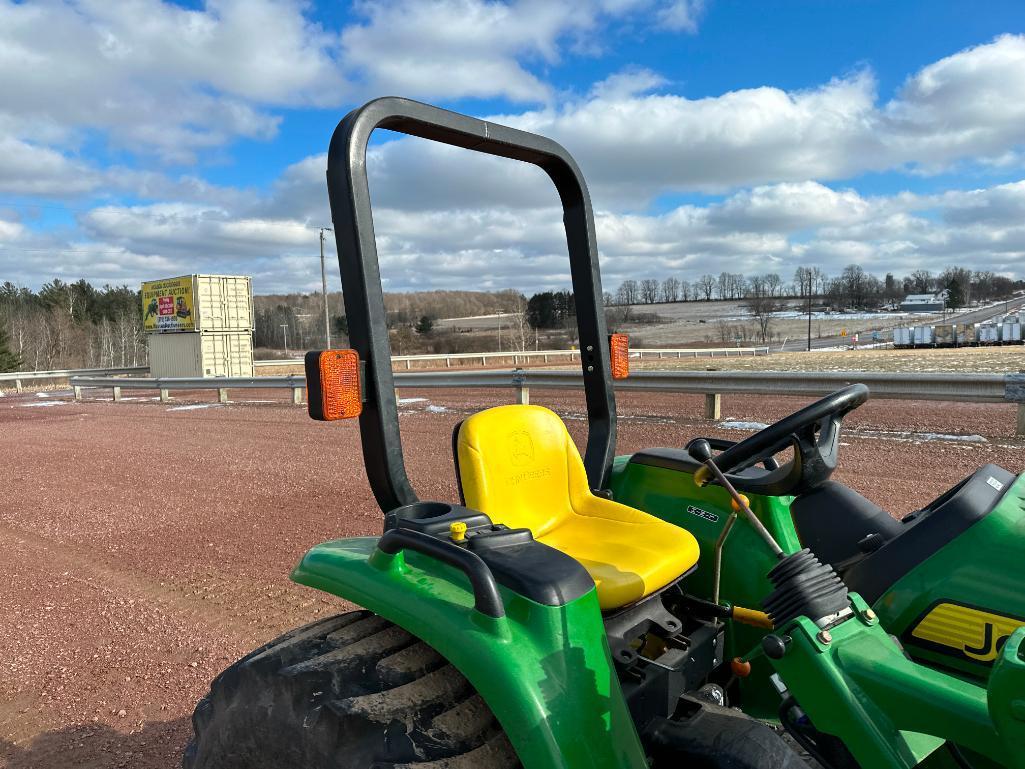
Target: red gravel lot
{"x":144,"y":548}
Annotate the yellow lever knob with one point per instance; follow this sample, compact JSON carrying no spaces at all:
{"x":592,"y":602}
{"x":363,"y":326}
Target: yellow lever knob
{"x":736,"y":507}
{"x":457,"y":531}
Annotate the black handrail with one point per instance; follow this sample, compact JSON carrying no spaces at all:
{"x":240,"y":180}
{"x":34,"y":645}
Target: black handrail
{"x":487,"y":599}
{"x":361,"y":278}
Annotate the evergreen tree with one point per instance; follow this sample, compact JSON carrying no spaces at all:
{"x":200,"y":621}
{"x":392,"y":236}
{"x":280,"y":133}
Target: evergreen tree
{"x":955,"y":294}
{"x":424,"y":326}
{"x":8,"y":360}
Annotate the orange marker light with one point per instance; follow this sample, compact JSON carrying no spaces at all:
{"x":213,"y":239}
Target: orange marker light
{"x":619,"y":347}
{"x":332,"y":379}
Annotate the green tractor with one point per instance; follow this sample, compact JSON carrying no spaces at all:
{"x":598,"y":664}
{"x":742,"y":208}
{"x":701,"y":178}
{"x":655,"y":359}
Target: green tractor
{"x":697,"y":607}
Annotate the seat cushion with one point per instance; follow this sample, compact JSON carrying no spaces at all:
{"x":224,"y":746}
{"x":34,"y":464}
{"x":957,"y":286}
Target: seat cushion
{"x":519,"y":465}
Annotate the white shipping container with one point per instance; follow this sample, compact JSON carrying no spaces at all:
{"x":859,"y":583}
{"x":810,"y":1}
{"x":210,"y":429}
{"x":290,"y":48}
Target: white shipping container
{"x":902,"y":337}
{"x":1011,"y":332}
{"x":223,"y":302}
{"x":201,"y":354}
{"x":923,"y":334}
{"x":198,"y":303}
{"x":988,"y":333}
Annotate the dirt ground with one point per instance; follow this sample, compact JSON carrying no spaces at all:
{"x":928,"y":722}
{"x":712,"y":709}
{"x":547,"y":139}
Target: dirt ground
{"x":146,"y":545}
{"x":979,"y":360}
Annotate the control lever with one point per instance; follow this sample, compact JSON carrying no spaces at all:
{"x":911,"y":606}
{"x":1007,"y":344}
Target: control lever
{"x":701,"y":451}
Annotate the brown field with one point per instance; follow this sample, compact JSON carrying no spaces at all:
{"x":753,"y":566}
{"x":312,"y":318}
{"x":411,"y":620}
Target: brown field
{"x":1010,"y":359}
{"x":146,"y":546}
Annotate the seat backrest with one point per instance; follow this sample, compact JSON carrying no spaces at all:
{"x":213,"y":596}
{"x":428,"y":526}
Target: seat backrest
{"x":519,"y":465}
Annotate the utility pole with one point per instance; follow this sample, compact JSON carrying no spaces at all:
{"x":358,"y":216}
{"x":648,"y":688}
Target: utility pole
{"x":284,"y":331}
{"x":323,"y":282}
{"x":809,"y":314}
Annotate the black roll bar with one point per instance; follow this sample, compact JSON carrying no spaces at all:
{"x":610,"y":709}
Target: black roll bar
{"x":351,"y":213}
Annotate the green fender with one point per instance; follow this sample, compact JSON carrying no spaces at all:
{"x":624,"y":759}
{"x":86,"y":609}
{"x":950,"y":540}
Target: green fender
{"x":545,"y":671}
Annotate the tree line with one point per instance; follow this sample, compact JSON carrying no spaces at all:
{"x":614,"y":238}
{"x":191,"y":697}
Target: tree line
{"x":301,"y":316}
{"x":853,"y":288}
{"x":70,"y":325}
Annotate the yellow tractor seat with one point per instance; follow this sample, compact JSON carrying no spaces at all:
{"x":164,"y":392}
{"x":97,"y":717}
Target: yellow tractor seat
{"x":519,"y":465}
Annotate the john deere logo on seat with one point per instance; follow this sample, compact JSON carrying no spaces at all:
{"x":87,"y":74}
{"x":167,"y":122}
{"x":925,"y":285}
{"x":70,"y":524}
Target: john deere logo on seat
{"x":521,"y":448}
{"x":963,"y":631}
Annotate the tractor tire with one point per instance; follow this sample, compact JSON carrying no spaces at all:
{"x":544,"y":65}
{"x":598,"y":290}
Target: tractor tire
{"x":352,"y":691}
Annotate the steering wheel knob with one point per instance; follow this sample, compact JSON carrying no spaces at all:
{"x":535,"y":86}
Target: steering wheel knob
{"x":701,"y":450}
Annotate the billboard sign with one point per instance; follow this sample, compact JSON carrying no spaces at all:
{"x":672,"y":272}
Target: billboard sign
{"x":167,"y":305}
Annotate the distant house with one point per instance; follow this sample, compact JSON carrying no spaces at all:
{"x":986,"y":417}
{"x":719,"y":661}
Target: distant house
{"x":924,"y":302}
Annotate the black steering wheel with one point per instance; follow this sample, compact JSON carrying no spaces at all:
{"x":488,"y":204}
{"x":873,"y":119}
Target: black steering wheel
{"x":814,"y":434}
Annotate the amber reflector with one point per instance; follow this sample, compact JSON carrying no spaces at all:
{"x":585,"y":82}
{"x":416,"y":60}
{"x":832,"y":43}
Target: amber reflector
{"x":334,"y":387}
{"x":619,"y":346}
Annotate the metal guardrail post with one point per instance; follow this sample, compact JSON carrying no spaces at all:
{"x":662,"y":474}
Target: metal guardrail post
{"x":713,"y":406}
{"x":222,"y":394}
{"x":78,"y":393}
{"x":17,"y":385}
{"x":165,"y":395}
{"x":1014,"y":391}
{"x":297,"y":396}
{"x":117,"y":393}
{"x":522,"y":391}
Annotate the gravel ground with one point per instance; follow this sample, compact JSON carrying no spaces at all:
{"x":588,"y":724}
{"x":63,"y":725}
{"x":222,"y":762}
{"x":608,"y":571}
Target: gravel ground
{"x":146,"y":546}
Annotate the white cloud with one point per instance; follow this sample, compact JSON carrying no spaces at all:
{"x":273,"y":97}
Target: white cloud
{"x":772,"y":228}
{"x":682,"y":15}
{"x":28,"y":169}
{"x":157,"y":77}
{"x":968,"y":107}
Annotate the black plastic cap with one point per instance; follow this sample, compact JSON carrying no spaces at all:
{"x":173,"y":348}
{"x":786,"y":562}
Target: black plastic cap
{"x":701,"y":450}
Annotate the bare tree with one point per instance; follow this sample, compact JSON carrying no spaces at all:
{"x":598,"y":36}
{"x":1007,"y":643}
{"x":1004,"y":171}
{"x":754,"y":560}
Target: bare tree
{"x":628,"y":292}
{"x":762,"y":305}
{"x":671,"y":290}
{"x":724,"y":285}
{"x":649,"y":291}
{"x":705,"y":286}
{"x":922,"y":281}
{"x":685,"y":291}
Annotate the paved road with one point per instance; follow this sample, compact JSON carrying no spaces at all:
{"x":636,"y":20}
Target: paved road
{"x":975,"y":316}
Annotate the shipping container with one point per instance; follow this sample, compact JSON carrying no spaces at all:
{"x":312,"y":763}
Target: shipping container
{"x":201,"y":354}
{"x":922,"y":336}
{"x":944,"y":335}
{"x":198,"y":303}
{"x":967,"y":334}
{"x":1011,"y":331}
{"x":902,"y":337}
{"x":989,"y":333}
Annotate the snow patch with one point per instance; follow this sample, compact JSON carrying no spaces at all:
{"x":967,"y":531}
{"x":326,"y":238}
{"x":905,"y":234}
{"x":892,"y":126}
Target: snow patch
{"x":194,"y":406}
{"x":733,"y":425}
{"x":43,"y":403}
{"x":918,"y":437}
{"x":405,"y":401}
{"x":436,"y":409}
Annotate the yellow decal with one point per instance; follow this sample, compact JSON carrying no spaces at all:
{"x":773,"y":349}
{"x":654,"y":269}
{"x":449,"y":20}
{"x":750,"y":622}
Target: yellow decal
{"x":977,"y":634}
{"x":167,"y":305}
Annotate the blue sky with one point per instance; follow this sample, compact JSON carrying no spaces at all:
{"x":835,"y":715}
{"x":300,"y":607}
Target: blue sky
{"x":151,"y":138}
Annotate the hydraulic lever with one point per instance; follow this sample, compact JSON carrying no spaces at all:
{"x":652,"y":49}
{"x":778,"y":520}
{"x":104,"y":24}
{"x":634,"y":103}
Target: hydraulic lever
{"x":702,"y":451}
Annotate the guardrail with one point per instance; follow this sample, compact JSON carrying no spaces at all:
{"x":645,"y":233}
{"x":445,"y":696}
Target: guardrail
{"x":164,"y":385}
{"x":970,"y":388}
{"x":21,"y":376}
{"x":545,"y":356}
